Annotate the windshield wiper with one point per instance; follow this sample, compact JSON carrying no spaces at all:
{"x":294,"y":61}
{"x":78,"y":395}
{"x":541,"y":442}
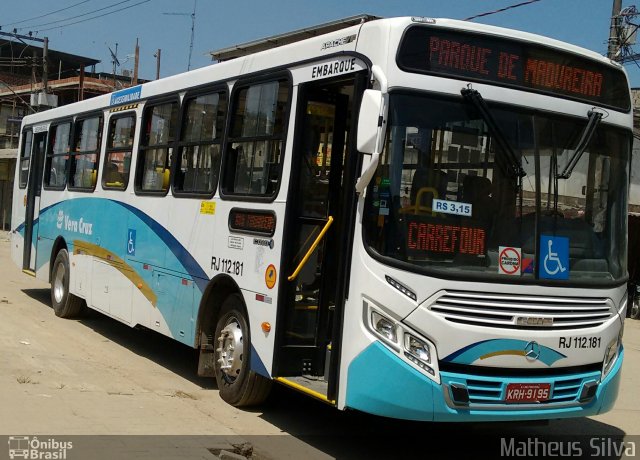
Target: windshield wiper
{"x":475,"y":98}
{"x":587,"y":134}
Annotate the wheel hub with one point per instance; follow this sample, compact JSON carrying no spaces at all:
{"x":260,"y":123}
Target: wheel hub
{"x":58,"y":283}
{"x":230,"y":349}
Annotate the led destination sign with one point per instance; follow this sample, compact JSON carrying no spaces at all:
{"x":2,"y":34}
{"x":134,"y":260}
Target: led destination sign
{"x":252,"y":221}
{"x":427,"y":236}
{"x":512,"y":63}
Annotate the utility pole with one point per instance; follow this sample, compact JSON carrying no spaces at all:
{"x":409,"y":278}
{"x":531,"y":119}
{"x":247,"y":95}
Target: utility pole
{"x":115,"y":62}
{"x":157,"y":56}
{"x":614,"y":41}
{"x":193,"y":28}
{"x":45,"y":65}
{"x":81,"y":85}
{"x":135,"y":65}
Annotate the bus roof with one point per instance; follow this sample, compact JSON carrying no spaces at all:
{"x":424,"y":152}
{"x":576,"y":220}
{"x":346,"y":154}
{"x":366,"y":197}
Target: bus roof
{"x":287,"y":38}
{"x":265,"y":53}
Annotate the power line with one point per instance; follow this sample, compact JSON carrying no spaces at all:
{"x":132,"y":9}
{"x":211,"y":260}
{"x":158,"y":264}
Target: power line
{"x":193,"y":26}
{"x":79,"y":15}
{"x":46,"y":14}
{"x":500,"y":10}
{"x":96,"y":17}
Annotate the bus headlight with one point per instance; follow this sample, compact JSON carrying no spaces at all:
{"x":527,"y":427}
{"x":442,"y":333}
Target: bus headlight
{"x":417,"y":348}
{"x":611,"y":353}
{"x":406,"y":343}
{"x":384,"y":326}
{"x":418,"y":352}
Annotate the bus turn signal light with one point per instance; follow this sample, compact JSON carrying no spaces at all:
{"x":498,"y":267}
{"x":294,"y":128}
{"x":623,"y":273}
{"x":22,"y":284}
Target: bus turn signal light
{"x":266,"y":327}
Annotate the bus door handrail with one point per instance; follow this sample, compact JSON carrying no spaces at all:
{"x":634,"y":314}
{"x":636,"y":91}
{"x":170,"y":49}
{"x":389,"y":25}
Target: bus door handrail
{"x":313,"y":247}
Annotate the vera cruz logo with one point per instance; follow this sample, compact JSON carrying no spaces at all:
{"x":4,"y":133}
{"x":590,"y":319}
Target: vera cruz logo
{"x":60,"y":220}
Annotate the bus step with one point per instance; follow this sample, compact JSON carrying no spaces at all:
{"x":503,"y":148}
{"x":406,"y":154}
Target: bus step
{"x":312,"y":386}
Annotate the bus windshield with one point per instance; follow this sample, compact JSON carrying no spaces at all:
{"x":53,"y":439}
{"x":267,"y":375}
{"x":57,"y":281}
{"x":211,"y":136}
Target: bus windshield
{"x":445,"y":201}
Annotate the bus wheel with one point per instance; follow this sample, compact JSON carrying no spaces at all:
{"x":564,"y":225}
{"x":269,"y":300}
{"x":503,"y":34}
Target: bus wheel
{"x":65,"y":304}
{"x":238,"y":384}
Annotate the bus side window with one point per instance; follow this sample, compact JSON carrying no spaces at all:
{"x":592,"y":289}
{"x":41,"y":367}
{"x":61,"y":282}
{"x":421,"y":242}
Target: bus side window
{"x":117,"y":162}
{"x":253,"y":156}
{"x":198,"y":160}
{"x":58,"y":156}
{"x":155,"y":152}
{"x":84,"y":159}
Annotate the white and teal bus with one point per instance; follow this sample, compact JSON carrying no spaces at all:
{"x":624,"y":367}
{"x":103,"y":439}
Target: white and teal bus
{"x":417,"y":218}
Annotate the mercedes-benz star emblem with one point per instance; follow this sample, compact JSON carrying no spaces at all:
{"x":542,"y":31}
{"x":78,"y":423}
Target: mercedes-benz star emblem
{"x":532,"y":351}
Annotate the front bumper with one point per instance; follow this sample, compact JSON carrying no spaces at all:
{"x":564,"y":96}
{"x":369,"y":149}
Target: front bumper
{"x":380,"y":383}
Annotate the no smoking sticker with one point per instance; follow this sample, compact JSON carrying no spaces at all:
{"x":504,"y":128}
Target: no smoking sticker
{"x":509,"y":260}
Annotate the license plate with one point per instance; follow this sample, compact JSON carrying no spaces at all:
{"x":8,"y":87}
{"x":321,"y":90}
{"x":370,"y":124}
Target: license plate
{"x":527,"y":392}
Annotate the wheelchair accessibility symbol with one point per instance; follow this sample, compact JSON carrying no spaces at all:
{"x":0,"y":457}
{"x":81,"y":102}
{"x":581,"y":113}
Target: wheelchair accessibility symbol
{"x":554,"y":252}
{"x":131,"y":242}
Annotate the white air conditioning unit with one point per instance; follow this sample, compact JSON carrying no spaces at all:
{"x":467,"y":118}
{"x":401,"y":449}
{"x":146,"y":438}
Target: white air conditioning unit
{"x":44,"y":99}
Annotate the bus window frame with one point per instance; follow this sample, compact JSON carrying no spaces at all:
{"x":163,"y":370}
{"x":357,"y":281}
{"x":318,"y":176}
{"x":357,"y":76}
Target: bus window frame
{"x":170,"y":98}
{"x":73,"y":154}
{"x":107,"y":150}
{"x":22,"y":158}
{"x":283,"y":76}
{"x":217,"y":88}
{"x":49,"y":155}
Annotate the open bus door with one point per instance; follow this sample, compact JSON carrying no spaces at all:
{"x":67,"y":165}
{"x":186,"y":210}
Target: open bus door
{"x":32,"y":209}
{"x":318,"y":232}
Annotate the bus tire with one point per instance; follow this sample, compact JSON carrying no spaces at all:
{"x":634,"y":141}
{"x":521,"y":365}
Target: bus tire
{"x":237,"y":383}
{"x":65,"y":304}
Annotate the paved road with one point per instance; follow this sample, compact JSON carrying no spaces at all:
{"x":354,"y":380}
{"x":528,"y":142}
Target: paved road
{"x":95,"y":376}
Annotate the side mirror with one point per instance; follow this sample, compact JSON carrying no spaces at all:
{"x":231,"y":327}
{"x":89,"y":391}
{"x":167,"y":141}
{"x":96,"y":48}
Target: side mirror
{"x":369,"y":121}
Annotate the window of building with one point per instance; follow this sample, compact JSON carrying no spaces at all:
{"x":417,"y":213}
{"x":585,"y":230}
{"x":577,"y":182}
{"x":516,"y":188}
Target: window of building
{"x":117,"y":164}
{"x":254,"y":151}
{"x":25,"y":156}
{"x":155,"y":152}
{"x":83,"y":166}
{"x":198,"y":159}
{"x":58,"y":156}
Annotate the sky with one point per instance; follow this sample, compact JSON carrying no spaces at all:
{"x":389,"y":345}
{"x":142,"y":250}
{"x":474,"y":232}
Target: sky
{"x":219,"y":24}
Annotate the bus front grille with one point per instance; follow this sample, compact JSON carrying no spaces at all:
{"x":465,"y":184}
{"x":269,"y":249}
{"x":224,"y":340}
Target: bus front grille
{"x":491,"y":390}
{"x":522,"y":311}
